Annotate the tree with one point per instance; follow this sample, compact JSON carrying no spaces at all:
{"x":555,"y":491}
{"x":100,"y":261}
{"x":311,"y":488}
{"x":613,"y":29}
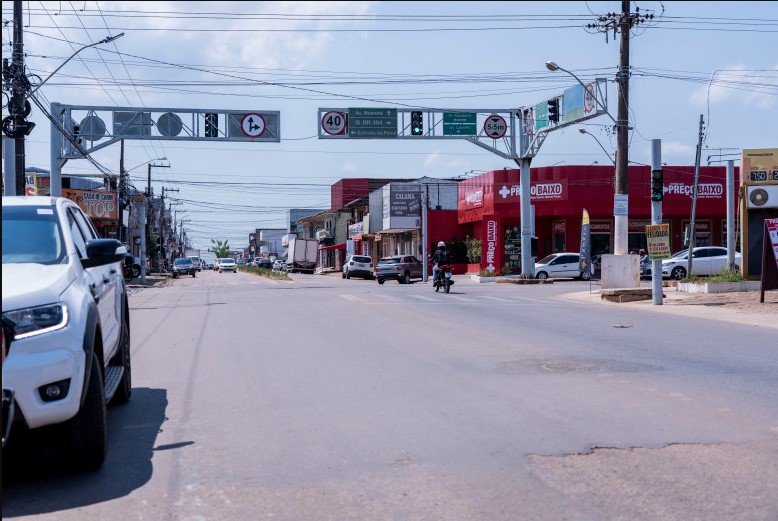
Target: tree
{"x":220,"y":248}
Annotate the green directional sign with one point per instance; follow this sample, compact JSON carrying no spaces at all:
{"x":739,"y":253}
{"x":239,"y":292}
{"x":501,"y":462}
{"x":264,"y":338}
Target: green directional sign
{"x":372,"y":122}
{"x":541,"y":115}
{"x":459,"y":124}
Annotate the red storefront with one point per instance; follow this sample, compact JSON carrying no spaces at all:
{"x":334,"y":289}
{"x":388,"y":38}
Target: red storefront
{"x":489,"y":209}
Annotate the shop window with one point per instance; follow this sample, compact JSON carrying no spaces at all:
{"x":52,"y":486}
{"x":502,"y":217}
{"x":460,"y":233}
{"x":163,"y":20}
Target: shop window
{"x":512,"y":236}
{"x":559,"y":236}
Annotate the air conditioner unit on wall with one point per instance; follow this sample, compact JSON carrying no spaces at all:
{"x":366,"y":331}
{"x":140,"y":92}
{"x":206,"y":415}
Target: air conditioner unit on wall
{"x":762,"y":197}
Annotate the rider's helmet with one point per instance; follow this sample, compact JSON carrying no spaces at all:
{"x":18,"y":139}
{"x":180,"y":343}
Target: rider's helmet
{"x":442,"y":245}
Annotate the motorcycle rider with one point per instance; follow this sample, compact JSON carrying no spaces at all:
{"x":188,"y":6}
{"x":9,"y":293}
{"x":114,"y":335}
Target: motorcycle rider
{"x":439,"y":258}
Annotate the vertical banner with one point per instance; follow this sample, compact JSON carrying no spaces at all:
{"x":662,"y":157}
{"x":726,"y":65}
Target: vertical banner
{"x":585,"y":262}
{"x":769,"y":257}
{"x":492,"y":250}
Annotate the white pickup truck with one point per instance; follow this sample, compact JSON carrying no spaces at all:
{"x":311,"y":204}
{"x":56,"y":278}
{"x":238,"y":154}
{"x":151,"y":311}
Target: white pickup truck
{"x":66,"y":327}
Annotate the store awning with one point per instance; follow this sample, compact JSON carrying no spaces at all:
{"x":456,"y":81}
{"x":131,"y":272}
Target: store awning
{"x":341,"y":246}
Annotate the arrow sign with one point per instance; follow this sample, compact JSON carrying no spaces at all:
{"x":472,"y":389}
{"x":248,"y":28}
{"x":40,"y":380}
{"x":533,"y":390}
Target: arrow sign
{"x":495,"y":127}
{"x":253,"y":125}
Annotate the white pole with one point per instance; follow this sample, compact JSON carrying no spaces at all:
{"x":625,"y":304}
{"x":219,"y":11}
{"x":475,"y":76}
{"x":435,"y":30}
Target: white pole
{"x":731,"y":215}
{"x":656,"y":218}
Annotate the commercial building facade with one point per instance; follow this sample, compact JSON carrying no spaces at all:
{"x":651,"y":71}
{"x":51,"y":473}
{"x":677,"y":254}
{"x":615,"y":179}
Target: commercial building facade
{"x":489,"y":209}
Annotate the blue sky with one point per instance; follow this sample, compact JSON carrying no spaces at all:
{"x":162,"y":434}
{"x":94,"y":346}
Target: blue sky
{"x":715,"y":58}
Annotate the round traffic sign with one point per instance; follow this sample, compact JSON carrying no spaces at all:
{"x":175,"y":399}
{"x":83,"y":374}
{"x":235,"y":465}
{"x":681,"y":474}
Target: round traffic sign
{"x":589,"y":99}
{"x":252,"y":124}
{"x":334,"y":123}
{"x":495,"y":126}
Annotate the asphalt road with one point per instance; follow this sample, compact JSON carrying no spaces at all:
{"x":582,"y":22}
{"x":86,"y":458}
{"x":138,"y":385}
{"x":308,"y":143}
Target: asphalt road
{"x":331,"y":399}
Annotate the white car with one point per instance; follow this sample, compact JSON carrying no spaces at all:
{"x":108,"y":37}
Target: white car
{"x":561,"y":265}
{"x":279,"y":265}
{"x":66,"y":323}
{"x":706,"y":260}
{"x":227,"y":264}
{"x":358,"y":266}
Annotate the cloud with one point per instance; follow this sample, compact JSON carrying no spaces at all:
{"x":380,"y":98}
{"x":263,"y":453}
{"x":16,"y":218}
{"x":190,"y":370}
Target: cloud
{"x":349,"y":167}
{"x":737,"y":84}
{"x":437,"y":160}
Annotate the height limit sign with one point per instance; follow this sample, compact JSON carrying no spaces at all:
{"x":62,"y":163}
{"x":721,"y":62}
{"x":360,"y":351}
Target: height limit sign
{"x":495,"y":127}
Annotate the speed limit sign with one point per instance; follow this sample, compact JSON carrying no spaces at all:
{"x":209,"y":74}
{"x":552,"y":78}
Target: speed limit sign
{"x":334,"y":123}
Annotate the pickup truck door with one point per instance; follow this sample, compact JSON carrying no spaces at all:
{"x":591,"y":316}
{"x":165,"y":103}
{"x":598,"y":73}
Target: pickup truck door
{"x":103,"y":281}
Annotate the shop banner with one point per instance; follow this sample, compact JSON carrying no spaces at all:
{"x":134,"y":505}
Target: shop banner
{"x":658,"y":238}
{"x":585,"y":261}
{"x":769,"y":249}
{"x":96,"y":204}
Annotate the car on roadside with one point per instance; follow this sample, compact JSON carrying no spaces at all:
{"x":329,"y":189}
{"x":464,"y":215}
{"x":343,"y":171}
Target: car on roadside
{"x":279,"y":265}
{"x":706,"y":260}
{"x":184,"y":266}
{"x":197,"y":263}
{"x":263,"y":263}
{"x":402,"y":268}
{"x":227,"y":264}
{"x":561,"y":265}
{"x":210,"y":265}
{"x":66,"y":322}
{"x":358,"y":266}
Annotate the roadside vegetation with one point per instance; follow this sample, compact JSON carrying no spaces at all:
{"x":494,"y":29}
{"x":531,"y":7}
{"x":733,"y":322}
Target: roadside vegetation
{"x":264,"y":272}
{"x":724,"y":276}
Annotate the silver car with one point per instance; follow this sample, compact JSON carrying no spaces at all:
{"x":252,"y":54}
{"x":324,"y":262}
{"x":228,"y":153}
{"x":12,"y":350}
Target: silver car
{"x":401,"y":268}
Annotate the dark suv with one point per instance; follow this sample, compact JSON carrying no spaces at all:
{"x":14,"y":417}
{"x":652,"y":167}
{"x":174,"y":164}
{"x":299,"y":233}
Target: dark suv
{"x":401,"y":268}
{"x":184,"y":266}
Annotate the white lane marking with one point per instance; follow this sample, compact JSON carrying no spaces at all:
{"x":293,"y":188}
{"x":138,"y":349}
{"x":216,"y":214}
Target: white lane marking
{"x":352,"y":298}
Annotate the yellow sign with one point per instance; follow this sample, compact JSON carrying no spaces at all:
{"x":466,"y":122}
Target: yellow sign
{"x":658,"y":236}
{"x":759,"y":166}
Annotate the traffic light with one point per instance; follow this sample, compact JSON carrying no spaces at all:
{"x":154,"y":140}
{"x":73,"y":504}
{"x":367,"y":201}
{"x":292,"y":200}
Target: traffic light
{"x":211,"y":124}
{"x":657,"y":185}
{"x":417,"y":123}
{"x":553,"y":110}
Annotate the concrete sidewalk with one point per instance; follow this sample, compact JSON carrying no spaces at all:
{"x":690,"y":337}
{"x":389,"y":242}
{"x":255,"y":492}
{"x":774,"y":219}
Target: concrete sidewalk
{"x":742,"y":307}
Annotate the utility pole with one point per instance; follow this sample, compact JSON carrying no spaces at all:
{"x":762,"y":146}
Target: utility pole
{"x":121,"y":189}
{"x":621,"y":23}
{"x":15,"y":124}
{"x":692,"y":225}
{"x":621,"y":222}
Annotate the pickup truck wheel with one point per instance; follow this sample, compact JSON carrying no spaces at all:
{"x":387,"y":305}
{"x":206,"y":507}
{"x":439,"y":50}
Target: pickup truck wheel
{"x":122,"y":358}
{"x":380,"y":280}
{"x":407,"y":278}
{"x":85,"y":436}
{"x":194,"y":274}
{"x":348,"y":274}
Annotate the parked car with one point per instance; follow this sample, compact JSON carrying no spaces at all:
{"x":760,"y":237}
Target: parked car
{"x":263,"y":263}
{"x":228,"y":264}
{"x":358,"y":266}
{"x":184,"y":266}
{"x":706,"y":260}
{"x":279,"y":265}
{"x":66,"y":322}
{"x":401,"y":268}
{"x":561,"y":265}
{"x":210,"y":265}
{"x":196,"y":262}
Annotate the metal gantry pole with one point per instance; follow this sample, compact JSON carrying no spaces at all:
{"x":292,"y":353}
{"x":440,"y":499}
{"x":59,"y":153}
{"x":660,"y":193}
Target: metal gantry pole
{"x":731,"y":239}
{"x":656,"y":218}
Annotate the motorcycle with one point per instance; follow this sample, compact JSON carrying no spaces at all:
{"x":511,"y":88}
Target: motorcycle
{"x":443,"y":279}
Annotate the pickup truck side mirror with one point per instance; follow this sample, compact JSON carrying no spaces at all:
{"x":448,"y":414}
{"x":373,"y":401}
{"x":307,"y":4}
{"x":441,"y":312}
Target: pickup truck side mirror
{"x":100,"y":252}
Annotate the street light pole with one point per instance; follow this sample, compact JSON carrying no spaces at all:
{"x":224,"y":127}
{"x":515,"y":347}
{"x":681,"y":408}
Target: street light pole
{"x":584,"y":131}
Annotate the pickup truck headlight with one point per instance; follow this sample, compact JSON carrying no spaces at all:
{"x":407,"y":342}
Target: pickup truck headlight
{"x":38,"y":320}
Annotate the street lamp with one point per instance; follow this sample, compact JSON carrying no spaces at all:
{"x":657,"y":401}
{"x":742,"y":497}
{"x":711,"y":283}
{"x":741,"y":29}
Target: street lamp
{"x":620,"y":197}
{"x":104,"y":40}
{"x":553,"y":67}
{"x":584,"y":131}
